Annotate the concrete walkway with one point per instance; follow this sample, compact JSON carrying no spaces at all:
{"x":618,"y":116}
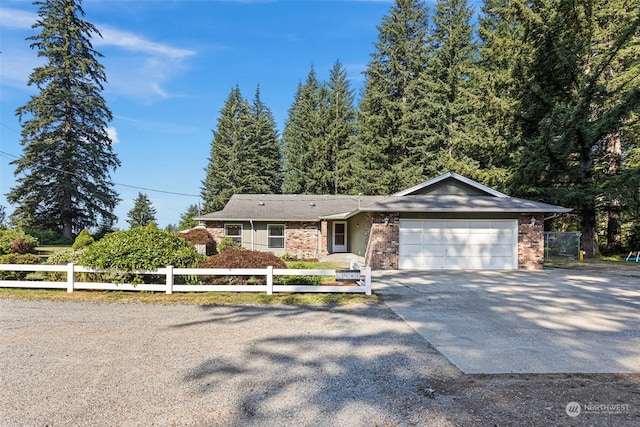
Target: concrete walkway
{"x":552,"y":321}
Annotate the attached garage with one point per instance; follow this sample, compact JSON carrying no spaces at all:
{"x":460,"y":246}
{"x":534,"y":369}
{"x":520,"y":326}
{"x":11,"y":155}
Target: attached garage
{"x":458,"y":244}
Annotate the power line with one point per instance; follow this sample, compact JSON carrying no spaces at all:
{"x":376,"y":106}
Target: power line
{"x":13,"y":156}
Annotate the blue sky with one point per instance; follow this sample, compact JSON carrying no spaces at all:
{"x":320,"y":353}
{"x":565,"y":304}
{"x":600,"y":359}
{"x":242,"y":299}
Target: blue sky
{"x":170,"y":66}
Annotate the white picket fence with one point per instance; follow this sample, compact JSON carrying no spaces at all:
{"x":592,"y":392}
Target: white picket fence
{"x":360,"y":286}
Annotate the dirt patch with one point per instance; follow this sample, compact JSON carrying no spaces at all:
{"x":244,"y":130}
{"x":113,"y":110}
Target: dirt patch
{"x":540,"y":400}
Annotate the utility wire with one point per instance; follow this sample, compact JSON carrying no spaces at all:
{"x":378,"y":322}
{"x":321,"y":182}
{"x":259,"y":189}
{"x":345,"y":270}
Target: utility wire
{"x":13,"y":156}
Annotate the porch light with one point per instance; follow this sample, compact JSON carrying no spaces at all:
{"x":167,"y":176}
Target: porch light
{"x":386,"y":220}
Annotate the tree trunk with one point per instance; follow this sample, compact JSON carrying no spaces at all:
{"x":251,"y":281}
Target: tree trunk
{"x":614,"y":161}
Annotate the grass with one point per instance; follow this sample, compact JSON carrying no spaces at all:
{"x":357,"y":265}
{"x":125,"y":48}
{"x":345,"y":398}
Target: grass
{"x":189,"y":298}
{"x":598,"y":263}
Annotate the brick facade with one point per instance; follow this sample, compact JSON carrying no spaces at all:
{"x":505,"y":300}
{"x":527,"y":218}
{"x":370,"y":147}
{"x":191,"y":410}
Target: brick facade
{"x":531,"y":241}
{"x":301,"y":239}
{"x":384,"y":241}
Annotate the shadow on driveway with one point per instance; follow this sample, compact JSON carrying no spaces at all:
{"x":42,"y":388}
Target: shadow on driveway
{"x":550,"y":321}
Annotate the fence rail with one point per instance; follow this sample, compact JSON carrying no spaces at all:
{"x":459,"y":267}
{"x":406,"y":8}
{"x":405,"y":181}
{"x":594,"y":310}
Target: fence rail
{"x":360,"y":286}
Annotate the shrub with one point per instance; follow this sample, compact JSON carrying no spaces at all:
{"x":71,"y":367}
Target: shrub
{"x":234,"y":257}
{"x":49,"y":237}
{"x":84,"y":239}
{"x":16,"y":241}
{"x":299,"y":280}
{"x":200,"y":236}
{"x":226,"y":243}
{"x":144,"y":248}
{"x":16,"y":258}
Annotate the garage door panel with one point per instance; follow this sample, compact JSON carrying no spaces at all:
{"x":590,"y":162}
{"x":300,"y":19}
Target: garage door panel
{"x":458,"y":244}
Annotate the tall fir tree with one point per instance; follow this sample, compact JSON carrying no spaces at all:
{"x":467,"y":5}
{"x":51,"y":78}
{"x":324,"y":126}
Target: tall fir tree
{"x":389,"y":125}
{"x":569,"y":106}
{"x":340,"y":134}
{"x":448,"y":100}
{"x":142,"y":212}
{"x":245,"y":152}
{"x":500,"y":34}
{"x":225,"y":173}
{"x":187,"y":220}
{"x":64,"y":173}
{"x":263,"y":139}
{"x":304,"y":136}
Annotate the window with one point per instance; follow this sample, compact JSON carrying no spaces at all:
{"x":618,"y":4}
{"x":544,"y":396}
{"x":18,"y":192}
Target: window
{"x":234,"y":231}
{"x":275,"y":235}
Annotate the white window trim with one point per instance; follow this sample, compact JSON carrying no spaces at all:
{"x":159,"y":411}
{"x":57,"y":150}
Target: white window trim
{"x":269,"y":236}
{"x":234,"y":236}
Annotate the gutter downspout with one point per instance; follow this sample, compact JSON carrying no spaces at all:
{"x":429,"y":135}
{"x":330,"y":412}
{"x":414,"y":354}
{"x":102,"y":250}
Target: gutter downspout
{"x":252,"y":233}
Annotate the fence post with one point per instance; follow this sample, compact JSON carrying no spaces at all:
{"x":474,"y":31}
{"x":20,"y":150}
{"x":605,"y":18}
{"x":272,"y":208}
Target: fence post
{"x":70,"y":277}
{"x":169,"y":279}
{"x":270,"y":280}
{"x":367,"y":280}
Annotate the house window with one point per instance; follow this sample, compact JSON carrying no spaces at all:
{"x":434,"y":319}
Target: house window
{"x":275,"y":234}
{"x":234,"y":231}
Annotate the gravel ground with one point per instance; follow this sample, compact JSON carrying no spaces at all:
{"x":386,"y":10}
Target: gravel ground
{"x":87,"y":364}
{"x":119,"y":364}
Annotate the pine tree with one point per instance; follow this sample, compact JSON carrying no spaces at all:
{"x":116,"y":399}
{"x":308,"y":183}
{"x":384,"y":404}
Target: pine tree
{"x":225,"y":171}
{"x":500,"y":34}
{"x":304,"y":138}
{"x":187,"y":220}
{"x":452,"y":138}
{"x":389,"y":124}
{"x":340,"y":133}
{"x":264,"y":141}
{"x":142,"y":212}
{"x":67,"y":155}
{"x":569,"y":106}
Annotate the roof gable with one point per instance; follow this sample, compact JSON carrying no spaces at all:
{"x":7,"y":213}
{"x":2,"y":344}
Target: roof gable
{"x":451,"y":184}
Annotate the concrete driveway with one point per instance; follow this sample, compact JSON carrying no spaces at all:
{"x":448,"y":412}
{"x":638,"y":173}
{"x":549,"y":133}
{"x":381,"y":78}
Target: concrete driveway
{"x":551,"y":321}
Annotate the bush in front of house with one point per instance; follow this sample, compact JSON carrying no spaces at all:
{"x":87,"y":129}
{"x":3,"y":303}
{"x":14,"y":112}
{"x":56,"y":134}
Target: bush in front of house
{"x":235,"y":257}
{"x":16,"y":241}
{"x":140,"y":248}
{"x":200,"y":236}
{"x":298,"y":280}
{"x":84,"y":239}
{"x":226,"y":243}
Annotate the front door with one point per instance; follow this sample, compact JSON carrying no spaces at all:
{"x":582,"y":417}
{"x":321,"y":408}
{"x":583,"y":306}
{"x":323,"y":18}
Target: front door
{"x":339,"y":236}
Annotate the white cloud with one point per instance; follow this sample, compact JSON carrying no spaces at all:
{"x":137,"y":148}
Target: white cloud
{"x":113,"y":135}
{"x":136,"y":43}
{"x":15,"y":18}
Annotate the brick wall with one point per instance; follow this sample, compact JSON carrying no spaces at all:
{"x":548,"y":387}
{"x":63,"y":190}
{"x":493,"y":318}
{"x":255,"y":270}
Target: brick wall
{"x":301,"y":239}
{"x":382,"y":249}
{"x":531,"y":241}
{"x":216,"y":230}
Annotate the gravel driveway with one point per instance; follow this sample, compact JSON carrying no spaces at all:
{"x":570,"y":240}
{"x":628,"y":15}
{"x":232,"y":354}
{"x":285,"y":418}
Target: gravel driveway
{"x":90,"y":364}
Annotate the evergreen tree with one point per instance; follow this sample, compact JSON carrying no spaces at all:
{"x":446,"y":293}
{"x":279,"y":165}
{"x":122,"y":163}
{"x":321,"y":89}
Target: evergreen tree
{"x":67,"y":155}
{"x":304,"y":137}
{"x":570,"y":106}
{"x":340,"y":135}
{"x":187,"y":220}
{"x":264,"y":141}
{"x":225,"y":171}
{"x":142,"y":212}
{"x":390,"y":126}
{"x":448,"y":101}
{"x":501,"y":34}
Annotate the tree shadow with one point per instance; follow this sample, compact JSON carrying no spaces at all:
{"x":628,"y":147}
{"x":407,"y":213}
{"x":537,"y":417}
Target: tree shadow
{"x":324,"y":366}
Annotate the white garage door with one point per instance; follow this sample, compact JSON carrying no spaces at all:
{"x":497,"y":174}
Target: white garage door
{"x":458,"y":244}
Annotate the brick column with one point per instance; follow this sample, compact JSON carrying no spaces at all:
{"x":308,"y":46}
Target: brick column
{"x":324,"y":236}
{"x":382,"y":253}
{"x":531,"y":241}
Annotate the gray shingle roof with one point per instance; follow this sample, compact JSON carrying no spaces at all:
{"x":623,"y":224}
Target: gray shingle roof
{"x":420,"y":198}
{"x":288,"y":207}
